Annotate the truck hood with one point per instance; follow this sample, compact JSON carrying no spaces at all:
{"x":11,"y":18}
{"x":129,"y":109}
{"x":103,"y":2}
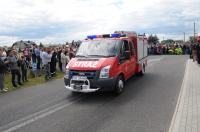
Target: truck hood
{"x":90,"y":63}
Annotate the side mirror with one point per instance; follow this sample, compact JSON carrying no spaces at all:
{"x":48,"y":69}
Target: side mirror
{"x":127,"y":54}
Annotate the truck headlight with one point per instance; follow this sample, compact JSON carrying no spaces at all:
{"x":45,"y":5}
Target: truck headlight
{"x":67,"y":72}
{"x":105,"y":72}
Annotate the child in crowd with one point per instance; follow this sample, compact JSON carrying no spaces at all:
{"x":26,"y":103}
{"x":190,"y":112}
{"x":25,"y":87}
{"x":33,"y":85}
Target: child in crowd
{"x":24,"y":68}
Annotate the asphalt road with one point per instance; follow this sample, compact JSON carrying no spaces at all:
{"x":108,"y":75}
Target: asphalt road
{"x":147,"y":104}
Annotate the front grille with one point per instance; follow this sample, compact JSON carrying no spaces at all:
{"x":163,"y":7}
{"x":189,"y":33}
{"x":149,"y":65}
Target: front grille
{"x":88,"y":74}
{"x":78,"y":82}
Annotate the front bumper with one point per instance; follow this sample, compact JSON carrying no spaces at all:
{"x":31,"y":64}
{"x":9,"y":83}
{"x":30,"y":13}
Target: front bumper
{"x":94,"y":85}
{"x":82,"y":90}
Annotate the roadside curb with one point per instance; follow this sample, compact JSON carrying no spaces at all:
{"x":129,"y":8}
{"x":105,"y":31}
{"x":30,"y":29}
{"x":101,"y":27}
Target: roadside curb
{"x":177,"y":112}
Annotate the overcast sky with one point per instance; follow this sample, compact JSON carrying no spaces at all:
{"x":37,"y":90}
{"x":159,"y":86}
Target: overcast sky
{"x":58,"y":21}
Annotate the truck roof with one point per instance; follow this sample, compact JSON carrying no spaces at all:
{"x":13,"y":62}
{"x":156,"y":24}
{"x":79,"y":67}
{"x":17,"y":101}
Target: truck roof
{"x":116,"y":36}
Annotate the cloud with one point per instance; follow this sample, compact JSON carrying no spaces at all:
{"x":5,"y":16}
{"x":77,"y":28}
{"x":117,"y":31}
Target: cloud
{"x":65,"y":20}
{"x":5,"y":40}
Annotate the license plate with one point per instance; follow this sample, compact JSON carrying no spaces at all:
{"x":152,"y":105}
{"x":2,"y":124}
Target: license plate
{"x":79,"y":78}
{"x":78,"y":87}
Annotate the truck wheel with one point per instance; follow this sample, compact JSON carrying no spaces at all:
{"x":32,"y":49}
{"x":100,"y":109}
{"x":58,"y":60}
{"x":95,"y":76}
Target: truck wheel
{"x":119,"y":86}
{"x":141,"y":73}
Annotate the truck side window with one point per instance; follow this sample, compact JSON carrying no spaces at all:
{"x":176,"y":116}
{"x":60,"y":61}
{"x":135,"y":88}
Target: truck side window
{"x":124,"y":48}
{"x":132,"y":48}
{"x":126,"y":45}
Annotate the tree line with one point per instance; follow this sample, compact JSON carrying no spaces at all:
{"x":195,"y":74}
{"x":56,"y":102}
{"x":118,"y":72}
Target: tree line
{"x":153,"y":40}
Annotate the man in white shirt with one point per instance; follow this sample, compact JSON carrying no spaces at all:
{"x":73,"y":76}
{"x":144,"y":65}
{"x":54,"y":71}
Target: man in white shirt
{"x":46,"y":59}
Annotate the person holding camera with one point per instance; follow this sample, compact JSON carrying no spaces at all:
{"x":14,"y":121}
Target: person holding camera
{"x":14,"y":64}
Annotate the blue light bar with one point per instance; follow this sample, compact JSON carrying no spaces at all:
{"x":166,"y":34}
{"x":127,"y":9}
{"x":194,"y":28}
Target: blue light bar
{"x":115,"y":35}
{"x":91,"y":36}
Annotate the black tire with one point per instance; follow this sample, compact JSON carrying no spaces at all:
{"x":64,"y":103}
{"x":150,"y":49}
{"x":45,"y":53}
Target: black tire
{"x":119,"y":86}
{"x":142,"y":72}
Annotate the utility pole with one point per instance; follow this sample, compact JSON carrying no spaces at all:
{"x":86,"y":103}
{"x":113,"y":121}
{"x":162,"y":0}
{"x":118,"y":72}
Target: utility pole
{"x":184,"y":37}
{"x":194,"y":29}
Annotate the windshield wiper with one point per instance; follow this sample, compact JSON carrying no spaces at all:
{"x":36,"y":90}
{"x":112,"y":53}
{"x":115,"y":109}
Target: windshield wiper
{"x":102,"y":55}
{"x":81,"y":56}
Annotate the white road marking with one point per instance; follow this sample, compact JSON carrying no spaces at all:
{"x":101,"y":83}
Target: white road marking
{"x":172,"y":127}
{"x":154,"y":60}
{"x":150,"y":62}
{"x":15,"y":125}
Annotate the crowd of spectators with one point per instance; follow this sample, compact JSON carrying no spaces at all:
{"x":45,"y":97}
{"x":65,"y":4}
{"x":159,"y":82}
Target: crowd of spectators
{"x":175,"y":49}
{"x":195,"y":54}
{"x":38,"y":60}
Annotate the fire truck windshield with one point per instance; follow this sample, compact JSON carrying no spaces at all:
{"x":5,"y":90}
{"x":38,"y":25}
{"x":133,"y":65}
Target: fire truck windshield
{"x":98,"y":48}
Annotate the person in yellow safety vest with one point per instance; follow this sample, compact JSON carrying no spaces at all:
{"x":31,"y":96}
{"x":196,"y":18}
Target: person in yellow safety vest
{"x":171,"y":51}
{"x":178,"y":51}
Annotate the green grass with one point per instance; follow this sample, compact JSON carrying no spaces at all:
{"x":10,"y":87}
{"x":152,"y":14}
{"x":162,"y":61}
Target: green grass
{"x":32,"y":81}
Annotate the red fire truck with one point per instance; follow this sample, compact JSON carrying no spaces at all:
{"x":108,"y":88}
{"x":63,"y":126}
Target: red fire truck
{"x":105,"y":62}
{"x":198,"y":38}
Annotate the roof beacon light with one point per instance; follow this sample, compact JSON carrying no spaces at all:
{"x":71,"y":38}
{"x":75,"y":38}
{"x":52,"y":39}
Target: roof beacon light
{"x":115,"y":35}
{"x":99,"y":36}
{"x":91,"y":36}
{"x":106,"y":35}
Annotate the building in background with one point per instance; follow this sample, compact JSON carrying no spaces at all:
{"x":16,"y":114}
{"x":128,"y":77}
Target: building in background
{"x":23,"y":44}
